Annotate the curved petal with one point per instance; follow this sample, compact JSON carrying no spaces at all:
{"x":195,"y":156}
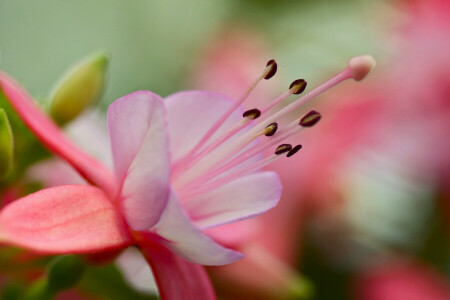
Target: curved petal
{"x":139,"y":142}
{"x":176,"y":278}
{"x":191,"y":114}
{"x":64,"y":219}
{"x":241,"y":199}
{"x":184,"y":238}
{"x":53,"y":138}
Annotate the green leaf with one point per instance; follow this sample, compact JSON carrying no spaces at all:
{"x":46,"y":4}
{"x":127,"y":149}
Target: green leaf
{"x":65,"y":272}
{"x":6,"y":144}
{"x":108,"y":282}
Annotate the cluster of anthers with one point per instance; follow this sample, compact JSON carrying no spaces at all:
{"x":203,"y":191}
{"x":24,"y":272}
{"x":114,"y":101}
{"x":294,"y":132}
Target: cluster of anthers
{"x":214,"y":162}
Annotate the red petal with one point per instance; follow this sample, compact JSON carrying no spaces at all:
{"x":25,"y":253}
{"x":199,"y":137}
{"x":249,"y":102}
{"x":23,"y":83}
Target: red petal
{"x":176,"y":278}
{"x":53,"y":138}
{"x":64,"y":219}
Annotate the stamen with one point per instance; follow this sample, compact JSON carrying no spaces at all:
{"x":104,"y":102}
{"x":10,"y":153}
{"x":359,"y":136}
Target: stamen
{"x":226,"y":165}
{"x":310,"y":119}
{"x":298,"y":86}
{"x":252,"y":114}
{"x":357,"y":68}
{"x":294,"y":150}
{"x":271,"y":129}
{"x":271,"y":69}
{"x":231,"y":155}
{"x":283,"y":148}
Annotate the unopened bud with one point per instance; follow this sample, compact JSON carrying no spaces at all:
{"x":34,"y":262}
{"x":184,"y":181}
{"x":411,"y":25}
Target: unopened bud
{"x":297,"y":86}
{"x":6,"y":145}
{"x":80,"y":88}
{"x":310,"y":119}
{"x":361,"y":66}
{"x":271,"y":69}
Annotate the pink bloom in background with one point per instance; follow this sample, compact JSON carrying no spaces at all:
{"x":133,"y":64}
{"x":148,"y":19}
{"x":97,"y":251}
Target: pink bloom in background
{"x":399,"y":281}
{"x":376,"y":162}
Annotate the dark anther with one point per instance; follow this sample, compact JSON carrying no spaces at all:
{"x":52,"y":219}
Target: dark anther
{"x":310,"y":119}
{"x":271,"y":69}
{"x":271,"y":129}
{"x":283,"y":148}
{"x":253,"y":113}
{"x":298,"y":86}
{"x":294,"y":150}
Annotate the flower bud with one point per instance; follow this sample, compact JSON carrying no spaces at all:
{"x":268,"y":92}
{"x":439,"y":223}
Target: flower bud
{"x":6,"y":145}
{"x":79,"y":89}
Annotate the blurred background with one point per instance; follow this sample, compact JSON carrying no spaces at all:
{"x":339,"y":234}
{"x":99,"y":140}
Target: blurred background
{"x":365,"y":214}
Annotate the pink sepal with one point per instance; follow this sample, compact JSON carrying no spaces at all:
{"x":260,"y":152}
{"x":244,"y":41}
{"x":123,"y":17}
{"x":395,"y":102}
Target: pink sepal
{"x":53,"y":138}
{"x":64,"y":219}
{"x":176,"y":278}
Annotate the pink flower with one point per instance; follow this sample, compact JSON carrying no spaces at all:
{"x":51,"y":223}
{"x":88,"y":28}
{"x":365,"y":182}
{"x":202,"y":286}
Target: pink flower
{"x":401,"y":281}
{"x":182,"y":165}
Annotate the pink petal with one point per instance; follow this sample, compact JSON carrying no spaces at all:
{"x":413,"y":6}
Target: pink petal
{"x":241,"y":199}
{"x":191,"y":114}
{"x":52,"y":137}
{"x":176,"y":278}
{"x":53,"y":172}
{"x":64,"y":219}
{"x":185,"y":239}
{"x":140,"y":148}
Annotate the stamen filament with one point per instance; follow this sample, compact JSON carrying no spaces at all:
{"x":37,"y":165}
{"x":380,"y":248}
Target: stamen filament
{"x":296,"y":87}
{"x":276,"y":101}
{"x":234,"y":153}
{"x":202,"y":188}
{"x":291,"y":129}
{"x":269,"y":71}
{"x":244,"y":139}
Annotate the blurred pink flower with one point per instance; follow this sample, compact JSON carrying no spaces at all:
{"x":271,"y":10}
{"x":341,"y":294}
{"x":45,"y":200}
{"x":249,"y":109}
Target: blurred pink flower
{"x":402,"y":114}
{"x":396,"y":142}
{"x":399,"y":281}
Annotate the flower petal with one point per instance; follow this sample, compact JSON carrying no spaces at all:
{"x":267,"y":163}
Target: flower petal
{"x":191,"y":114}
{"x":64,"y":219}
{"x":241,"y":199}
{"x":53,"y":138}
{"x":185,"y":239}
{"x":176,"y":278}
{"x":136,"y":271}
{"x":137,"y":128}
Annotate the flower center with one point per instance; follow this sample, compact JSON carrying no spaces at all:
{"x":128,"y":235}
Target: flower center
{"x":213,"y":163}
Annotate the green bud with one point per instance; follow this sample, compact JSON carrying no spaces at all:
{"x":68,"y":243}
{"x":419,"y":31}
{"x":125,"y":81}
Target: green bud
{"x":80,"y":88}
{"x":65,"y":272}
{"x":6,"y":144}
